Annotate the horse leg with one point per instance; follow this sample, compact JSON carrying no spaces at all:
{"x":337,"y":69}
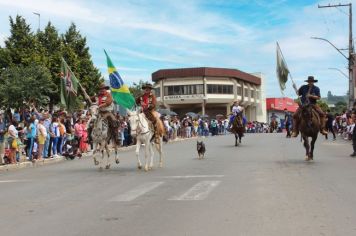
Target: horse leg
{"x":159,"y":150}
{"x":147,"y":152}
{"x":306,"y":145}
{"x":235,"y":139}
{"x":312,"y":147}
{"x":96,"y":162}
{"x":108,"y":156}
{"x":117,"y":161}
{"x":151,"y":157}
{"x":138,"y":146}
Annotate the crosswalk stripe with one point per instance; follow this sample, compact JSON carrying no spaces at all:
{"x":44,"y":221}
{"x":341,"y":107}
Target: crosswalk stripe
{"x":192,"y":176}
{"x":198,"y":192}
{"x":136,"y":192}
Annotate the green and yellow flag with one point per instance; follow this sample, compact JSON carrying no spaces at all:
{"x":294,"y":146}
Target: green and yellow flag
{"x":120,"y":91}
{"x":69,"y":87}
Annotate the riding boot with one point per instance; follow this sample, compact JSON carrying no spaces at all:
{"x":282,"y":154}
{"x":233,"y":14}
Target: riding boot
{"x":322,"y":125}
{"x":113,"y":128}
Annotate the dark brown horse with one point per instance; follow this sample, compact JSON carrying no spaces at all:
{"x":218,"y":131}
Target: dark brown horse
{"x":309,"y":127}
{"x":273,"y":126}
{"x":237,"y":129}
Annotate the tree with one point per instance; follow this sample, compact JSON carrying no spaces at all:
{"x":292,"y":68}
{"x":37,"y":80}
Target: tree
{"x":339,"y":107}
{"x":323,"y":105}
{"x":22,"y":46}
{"x":136,"y":89}
{"x":76,"y":53}
{"x":22,"y":84}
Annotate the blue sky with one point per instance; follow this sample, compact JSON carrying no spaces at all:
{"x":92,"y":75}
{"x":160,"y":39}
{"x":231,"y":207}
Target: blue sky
{"x":142,"y":36}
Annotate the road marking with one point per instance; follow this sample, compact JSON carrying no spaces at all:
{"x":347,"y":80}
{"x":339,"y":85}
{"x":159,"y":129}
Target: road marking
{"x":136,"y":192}
{"x":12,"y":181}
{"x":192,"y":176}
{"x":198,"y":192}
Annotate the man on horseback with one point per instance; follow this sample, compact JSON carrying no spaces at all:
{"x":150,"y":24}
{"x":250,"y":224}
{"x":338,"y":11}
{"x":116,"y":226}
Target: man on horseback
{"x":106,"y":107}
{"x":236,"y":112}
{"x":148,"y":103}
{"x":309,"y":95}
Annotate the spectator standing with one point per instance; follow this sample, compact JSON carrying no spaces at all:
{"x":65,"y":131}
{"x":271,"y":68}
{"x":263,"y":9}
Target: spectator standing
{"x":354,"y":135}
{"x":12,"y":141}
{"x":287,"y":122}
{"x":2,"y":139}
{"x":55,"y":134}
{"x":42,"y":136}
{"x":46,"y":147}
{"x":31,"y":136}
{"x":329,"y":124}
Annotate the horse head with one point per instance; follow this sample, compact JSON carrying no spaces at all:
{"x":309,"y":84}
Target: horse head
{"x":134,"y":119}
{"x":306,"y":112}
{"x":94,"y":111}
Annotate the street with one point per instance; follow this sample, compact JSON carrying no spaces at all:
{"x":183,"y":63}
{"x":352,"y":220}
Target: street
{"x":262,"y":187}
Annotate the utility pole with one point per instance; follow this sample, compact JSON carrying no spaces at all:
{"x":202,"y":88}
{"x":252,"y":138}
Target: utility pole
{"x":351,"y":52}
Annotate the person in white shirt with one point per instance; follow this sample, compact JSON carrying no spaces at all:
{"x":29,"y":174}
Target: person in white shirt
{"x":237,"y":110}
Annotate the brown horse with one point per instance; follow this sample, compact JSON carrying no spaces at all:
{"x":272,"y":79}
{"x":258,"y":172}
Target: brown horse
{"x":237,"y":129}
{"x":273,"y":126}
{"x":309,"y":127}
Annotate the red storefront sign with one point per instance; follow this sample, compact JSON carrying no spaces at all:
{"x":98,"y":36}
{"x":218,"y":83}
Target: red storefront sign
{"x":280,"y":104}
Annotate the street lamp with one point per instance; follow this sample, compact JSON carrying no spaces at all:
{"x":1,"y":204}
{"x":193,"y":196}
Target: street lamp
{"x":39,"y":19}
{"x":350,"y":60}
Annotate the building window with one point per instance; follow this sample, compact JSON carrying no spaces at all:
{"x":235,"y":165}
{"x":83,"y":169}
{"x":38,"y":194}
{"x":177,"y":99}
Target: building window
{"x":157,"y":92}
{"x":253,"y":93}
{"x":183,"y":89}
{"x":220,"y":89}
{"x":239,"y":91}
{"x":247,"y":92}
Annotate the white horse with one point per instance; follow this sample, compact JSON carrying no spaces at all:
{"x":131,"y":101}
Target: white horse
{"x":101,"y":138}
{"x":143,"y":133}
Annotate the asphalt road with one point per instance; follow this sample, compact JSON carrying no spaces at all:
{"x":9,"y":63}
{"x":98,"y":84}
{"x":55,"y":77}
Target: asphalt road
{"x":262,"y":187}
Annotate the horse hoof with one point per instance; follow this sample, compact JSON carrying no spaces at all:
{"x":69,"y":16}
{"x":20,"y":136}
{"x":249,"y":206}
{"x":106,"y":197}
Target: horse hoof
{"x":96,"y":163}
{"x":307,"y":158}
{"x":160,"y":165}
{"x":117,"y":161}
{"x":146,"y":169}
{"x":101,"y":168}
{"x":139,"y":167}
{"x":107,"y":167}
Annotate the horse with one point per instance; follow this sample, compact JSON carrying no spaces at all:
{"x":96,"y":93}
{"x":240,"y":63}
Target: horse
{"x":101,"y":136}
{"x":237,"y":129}
{"x":140,"y":128}
{"x":309,"y":127}
{"x":273,"y":126}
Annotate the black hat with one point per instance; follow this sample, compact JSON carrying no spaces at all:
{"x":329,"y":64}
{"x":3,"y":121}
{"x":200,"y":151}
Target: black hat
{"x":147,"y":85}
{"x":311,"y":79}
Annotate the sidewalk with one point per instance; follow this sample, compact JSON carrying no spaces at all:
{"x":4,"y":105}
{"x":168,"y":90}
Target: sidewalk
{"x":28,"y":164}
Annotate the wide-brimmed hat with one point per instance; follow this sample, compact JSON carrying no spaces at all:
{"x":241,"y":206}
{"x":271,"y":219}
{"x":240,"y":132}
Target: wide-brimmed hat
{"x":147,"y":85}
{"x":104,"y":86}
{"x":311,"y":79}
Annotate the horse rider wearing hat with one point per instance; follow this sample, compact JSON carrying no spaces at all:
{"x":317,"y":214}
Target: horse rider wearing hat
{"x":309,"y":95}
{"x":106,"y":106}
{"x":236,"y":111}
{"x":148,"y":103}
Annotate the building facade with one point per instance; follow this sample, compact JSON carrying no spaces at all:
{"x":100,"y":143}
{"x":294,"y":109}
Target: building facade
{"x":276,"y":106}
{"x":210,"y":91}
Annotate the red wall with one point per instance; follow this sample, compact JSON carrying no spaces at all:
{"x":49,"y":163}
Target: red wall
{"x":281,"y":103}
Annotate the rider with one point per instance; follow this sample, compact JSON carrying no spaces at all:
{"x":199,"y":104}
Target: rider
{"x":148,"y":104}
{"x":309,"y":95}
{"x":236,"y":111}
{"x":106,"y":106}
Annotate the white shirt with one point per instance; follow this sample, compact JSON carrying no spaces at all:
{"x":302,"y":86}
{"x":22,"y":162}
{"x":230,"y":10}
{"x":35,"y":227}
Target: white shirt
{"x":42,"y":130}
{"x":13,"y":131}
{"x":237,"y":109}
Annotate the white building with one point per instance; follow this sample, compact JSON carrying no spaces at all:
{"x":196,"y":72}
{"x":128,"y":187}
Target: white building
{"x":210,"y":91}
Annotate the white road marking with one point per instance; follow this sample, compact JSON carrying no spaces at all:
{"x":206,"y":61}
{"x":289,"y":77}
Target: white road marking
{"x":198,"y":192}
{"x":136,"y":192}
{"x":12,"y":181}
{"x":193,"y":176}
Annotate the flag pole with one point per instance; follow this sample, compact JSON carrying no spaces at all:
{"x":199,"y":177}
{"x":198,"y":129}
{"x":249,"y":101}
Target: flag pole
{"x":290,"y":75}
{"x":86,"y":96}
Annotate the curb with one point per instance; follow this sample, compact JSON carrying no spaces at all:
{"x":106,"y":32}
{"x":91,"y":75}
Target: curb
{"x":29,"y":164}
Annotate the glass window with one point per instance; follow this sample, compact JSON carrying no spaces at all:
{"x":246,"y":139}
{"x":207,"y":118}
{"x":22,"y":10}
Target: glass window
{"x":247,"y":92}
{"x":239,"y":90}
{"x":220,"y":89}
{"x":183,"y":89}
{"x":157,"y":92}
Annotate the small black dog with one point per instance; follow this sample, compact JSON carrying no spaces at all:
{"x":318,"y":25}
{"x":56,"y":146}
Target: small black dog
{"x":201,"y":149}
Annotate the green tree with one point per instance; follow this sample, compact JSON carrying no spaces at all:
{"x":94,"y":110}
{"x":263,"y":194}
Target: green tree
{"x":22,"y":46}
{"x":76,"y":53}
{"x":22,"y":84}
{"x":136,"y":88}
{"x":323,"y":105}
{"x":339,"y":107}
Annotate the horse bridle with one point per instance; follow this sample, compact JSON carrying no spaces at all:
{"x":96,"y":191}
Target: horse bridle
{"x":140,"y":122}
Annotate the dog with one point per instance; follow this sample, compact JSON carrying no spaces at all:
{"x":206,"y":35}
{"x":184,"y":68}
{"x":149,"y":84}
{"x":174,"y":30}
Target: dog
{"x":201,"y":149}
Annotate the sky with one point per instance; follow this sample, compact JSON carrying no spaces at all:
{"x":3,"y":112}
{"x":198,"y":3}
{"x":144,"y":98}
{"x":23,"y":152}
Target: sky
{"x":143,"y":36}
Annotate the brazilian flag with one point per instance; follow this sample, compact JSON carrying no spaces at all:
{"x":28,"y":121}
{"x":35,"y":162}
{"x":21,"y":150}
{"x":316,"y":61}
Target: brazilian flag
{"x":119,"y":91}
